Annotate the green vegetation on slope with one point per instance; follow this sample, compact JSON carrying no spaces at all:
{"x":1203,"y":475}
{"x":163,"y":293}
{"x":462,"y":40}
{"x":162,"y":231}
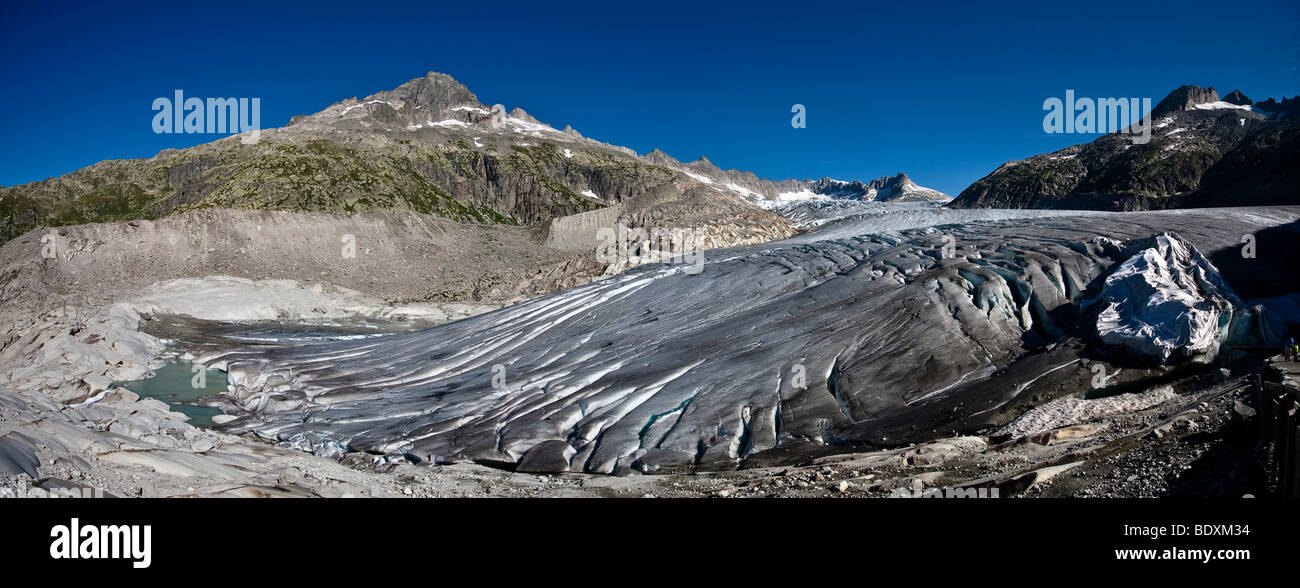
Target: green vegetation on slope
{"x":305,"y":173}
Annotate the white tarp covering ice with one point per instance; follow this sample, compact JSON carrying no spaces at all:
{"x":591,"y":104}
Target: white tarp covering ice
{"x":1166,"y":301}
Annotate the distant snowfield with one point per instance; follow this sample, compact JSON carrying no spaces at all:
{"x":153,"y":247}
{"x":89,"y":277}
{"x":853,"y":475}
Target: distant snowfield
{"x":804,"y":194}
{"x":523,"y":126}
{"x":1221,"y":105}
{"x":699,"y":178}
{"x":847,"y":218}
{"x":745,"y":192}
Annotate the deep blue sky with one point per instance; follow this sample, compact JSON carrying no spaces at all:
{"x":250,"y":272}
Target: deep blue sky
{"x":945,"y":91}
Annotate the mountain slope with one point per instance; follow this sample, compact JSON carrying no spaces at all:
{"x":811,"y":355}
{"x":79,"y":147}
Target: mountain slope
{"x":428,"y":146}
{"x":356,"y":156}
{"x":1203,"y":152}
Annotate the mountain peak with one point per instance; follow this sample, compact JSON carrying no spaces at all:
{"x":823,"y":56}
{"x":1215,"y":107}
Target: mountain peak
{"x":1236,"y":97}
{"x":1185,"y":98}
{"x":659,"y":157}
{"x":703,"y":163}
{"x":435,"y":91}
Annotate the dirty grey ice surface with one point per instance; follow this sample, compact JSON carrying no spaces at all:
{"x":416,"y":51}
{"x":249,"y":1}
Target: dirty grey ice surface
{"x":860,"y":331}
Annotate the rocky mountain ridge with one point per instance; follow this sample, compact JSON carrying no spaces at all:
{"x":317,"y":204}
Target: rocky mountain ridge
{"x":428,"y":146}
{"x":1203,"y":151}
{"x":897,"y":188}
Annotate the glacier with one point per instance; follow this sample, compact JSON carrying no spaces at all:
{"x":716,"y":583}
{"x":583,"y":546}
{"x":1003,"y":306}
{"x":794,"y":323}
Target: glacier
{"x":866,"y":330}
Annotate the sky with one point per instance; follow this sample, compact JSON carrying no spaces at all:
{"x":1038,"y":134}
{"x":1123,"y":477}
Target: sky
{"x":945,"y":91}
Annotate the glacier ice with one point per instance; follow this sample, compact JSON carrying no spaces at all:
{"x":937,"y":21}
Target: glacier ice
{"x":863,"y":331}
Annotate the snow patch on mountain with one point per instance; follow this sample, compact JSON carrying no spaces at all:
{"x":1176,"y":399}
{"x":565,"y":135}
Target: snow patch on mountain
{"x":523,"y":126}
{"x":699,"y":178}
{"x":804,"y":194}
{"x":1221,"y":105}
{"x":743,"y":191}
{"x":346,"y":110}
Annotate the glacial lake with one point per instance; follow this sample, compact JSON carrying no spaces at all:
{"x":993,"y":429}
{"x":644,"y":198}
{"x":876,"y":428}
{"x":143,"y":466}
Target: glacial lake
{"x":173,"y":384}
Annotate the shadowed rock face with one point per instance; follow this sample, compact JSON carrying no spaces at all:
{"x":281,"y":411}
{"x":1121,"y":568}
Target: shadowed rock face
{"x":1202,"y":152}
{"x":821,"y":339}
